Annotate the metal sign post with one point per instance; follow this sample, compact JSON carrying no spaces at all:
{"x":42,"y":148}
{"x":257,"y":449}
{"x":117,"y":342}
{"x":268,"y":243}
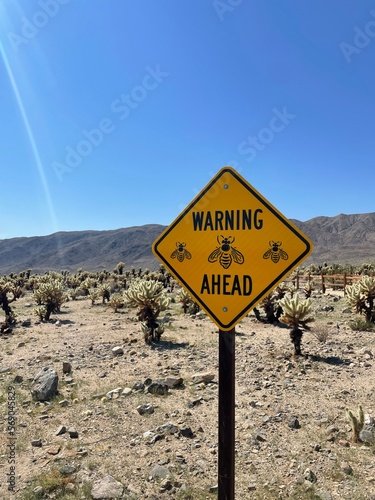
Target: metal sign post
{"x":226,"y":415}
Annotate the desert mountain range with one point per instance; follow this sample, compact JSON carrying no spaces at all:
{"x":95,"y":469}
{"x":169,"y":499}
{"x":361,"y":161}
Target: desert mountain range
{"x":344,"y":239}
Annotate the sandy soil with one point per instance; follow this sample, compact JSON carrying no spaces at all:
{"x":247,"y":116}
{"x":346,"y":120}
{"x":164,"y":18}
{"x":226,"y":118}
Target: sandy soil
{"x":293,"y":439}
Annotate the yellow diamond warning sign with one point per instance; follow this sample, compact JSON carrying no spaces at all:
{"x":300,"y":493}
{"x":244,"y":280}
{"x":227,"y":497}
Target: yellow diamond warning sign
{"x":230,"y":247}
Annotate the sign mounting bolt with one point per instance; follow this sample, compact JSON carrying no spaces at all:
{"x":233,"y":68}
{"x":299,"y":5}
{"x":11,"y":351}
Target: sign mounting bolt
{"x":225,"y":309}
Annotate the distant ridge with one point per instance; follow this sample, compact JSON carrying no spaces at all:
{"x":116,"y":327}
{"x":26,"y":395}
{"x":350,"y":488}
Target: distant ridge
{"x":345,"y":239}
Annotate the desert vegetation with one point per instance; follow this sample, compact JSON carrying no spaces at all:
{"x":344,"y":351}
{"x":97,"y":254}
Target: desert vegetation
{"x":136,"y":405}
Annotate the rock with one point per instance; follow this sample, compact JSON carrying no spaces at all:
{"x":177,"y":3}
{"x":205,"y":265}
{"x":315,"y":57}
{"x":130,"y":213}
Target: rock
{"x":259,"y":437}
{"x":38,"y":490}
{"x":367,"y":435}
{"x":158,"y":387}
{"x":36,"y":443}
{"x":44,"y":385}
{"x":344,"y":443}
{"x":186,"y":431}
{"x":145,"y":409}
{"x":194,"y":402}
{"x":309,"y":475}
{"x":165,"y":485}
{"x":53,"y":450}
{"x":18,"y":379}
{"x":346,"y":468}
{"x":172,"y":382}
{"x":60,"y":430}
{"x":67,"y":470}
{"x":168,"y":428}
{"x":67,"y":367}
{"x":114,"y":393}
{"x":139,"y":386}
{"x":63,"y":403}
{"x":117,"y":351}
{"x":204,"y":377}
{"x":73,"y":434}
{"x":107,"y":487}
{"x":160,"y":472}
{"x":127,"y":391}
{"x":294,"y":423}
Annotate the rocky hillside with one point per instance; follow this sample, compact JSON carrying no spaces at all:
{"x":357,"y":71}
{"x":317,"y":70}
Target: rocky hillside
{"x":343,"y":239}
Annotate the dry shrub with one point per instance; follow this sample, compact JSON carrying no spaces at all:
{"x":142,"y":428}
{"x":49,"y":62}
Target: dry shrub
{"x":321,"y":333}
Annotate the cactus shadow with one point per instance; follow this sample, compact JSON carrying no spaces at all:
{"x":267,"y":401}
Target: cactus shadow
{"x":330,"y":360}
{"x":168,"y":345}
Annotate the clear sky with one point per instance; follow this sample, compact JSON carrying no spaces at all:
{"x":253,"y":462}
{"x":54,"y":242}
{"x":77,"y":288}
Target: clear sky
{"x":116,"y":113}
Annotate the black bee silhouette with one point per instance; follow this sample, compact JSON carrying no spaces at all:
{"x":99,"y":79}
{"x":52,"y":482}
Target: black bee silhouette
{"x":226,"y":253}
{"x":275,"y":252}
{"x":181,"y":253}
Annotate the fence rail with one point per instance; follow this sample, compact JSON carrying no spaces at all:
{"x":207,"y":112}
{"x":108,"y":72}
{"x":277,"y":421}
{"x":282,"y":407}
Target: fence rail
{"x":324,"y":281}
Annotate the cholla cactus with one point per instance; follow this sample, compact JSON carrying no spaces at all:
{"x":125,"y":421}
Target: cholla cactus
{"x":356,"y":422}
{"x":40,"y":311}
{"x":49,"y":293}
{"x":6,"y":288}
{"x":185,"y":298}
{"x":93,"y":295}
{"x":296,"y":314}
{"x":120,"y":267}
{"x":271,"y":304}
{"x":87,"y":284}
{"x":308,"y":288}
{"x":116,"y":301}
{"x":361,"y":296}
{"x":104,"y":291}
{"x":150,"y":298}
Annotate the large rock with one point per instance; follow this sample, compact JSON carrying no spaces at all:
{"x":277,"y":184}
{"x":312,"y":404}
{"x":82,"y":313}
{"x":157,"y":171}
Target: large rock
{"x":44,"y":385}
{"x":203,"y":377}
{"x":107,"y":487}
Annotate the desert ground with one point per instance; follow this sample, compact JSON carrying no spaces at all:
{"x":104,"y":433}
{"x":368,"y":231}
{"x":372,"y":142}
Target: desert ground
{"x":293,"y":438}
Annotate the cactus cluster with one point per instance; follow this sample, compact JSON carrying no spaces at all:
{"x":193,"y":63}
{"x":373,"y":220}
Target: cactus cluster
{"x":297,"y":314}
{"x":357,"y":422}
{"x":8,"y":287}
{"x":150,"y":298}
{"x":116,"y":301}
{"x":49,"y":295}
{"x":361,"y":296}
{"x":185,"y":299}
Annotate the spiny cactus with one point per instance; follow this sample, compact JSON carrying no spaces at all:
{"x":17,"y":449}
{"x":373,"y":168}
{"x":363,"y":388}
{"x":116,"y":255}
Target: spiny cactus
{"x":185,"y":298}
{"x":49,"y":293}
{"x":116,"y":301}
{"x":8,"y":287}
{"x":87,"y":284}
{"x":93,"y":295}
{"x":271,"y":304}
{"x":356,"y":422}
{"x":151,"y":299}
{"x":120,"y":267}
{"x":104,"y":291}
{"x":361,"y":296}
{"x":296,"y":313}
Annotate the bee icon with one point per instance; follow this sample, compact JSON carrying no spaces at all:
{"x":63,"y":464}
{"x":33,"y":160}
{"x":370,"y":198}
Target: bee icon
{"x":181,"y":253}
{"x":275,"y":252}
{"x":226,"y":253}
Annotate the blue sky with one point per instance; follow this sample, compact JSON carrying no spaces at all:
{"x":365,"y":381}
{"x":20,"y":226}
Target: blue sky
{"x":117,"y":113}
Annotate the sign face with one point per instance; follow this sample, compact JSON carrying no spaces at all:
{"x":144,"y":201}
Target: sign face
{"x":230,"y":247}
